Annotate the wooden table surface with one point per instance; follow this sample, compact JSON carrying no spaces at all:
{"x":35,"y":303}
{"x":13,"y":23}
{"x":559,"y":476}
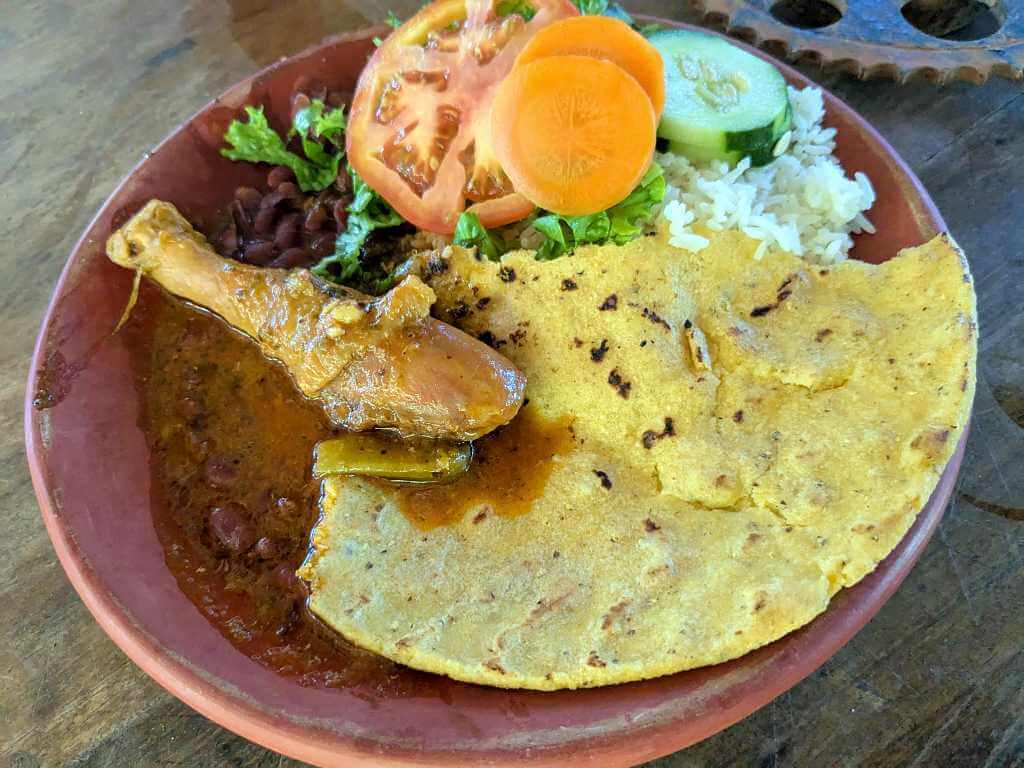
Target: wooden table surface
{"x":86,"y":88}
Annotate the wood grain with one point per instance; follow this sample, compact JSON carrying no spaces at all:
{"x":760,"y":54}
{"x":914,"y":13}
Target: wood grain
{"x":86,"y":88}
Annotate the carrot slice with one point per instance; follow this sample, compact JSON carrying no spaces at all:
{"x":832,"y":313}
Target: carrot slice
{"x":601,"y":37}
{"x":575,"y":134}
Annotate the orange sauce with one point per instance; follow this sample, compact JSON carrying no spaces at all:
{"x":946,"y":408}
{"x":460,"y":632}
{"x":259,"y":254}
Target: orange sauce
{"x":510,"y":470}
{"x":227,"y":428}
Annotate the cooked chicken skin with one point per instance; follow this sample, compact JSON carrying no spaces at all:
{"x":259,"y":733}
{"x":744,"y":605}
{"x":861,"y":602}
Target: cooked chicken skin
{"x":371,"y":362}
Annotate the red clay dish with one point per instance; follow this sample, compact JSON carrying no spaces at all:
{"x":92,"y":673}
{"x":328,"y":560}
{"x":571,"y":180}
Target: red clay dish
{"x":90,"y":468}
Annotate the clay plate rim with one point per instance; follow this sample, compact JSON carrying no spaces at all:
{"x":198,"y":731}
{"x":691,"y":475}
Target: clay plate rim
{"x":780,"y":665}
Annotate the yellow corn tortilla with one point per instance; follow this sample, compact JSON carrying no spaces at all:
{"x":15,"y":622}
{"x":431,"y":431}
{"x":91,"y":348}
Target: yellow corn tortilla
{"x":769,"y":429}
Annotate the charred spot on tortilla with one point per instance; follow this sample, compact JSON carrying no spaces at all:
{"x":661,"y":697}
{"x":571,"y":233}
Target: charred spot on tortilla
{"x":655,"y":318}
{"x":650,"y":437}
{"x":620,"y":385}
{"x":518,"y":336}
{"x":436,"y":265}
{"x":488,"y":338}
{"x":458,"y":312}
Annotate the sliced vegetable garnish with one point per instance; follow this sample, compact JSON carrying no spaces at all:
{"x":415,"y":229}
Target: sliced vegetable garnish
{"x":606,"y":38}
{"x":377,"y":454}
{"x":575,"y":134}
{"x":256,"y":142}
{"x":761,"y":155}
{"x":419,"y":130}
{"x":722,"y":102}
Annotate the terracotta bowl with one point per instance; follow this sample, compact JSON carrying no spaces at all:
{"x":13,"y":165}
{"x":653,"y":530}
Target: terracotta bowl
{"x":90,"y":467}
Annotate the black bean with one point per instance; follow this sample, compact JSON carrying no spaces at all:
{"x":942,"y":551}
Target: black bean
{"x":248,"y":197}
{"x":242,"y":219}
{"x":327,"y":202}
{"x":293,"y":257}
{"x":315,"y":218}
{"x":229,"y":240}
{"x":189,"y":407}
{"x":272,"y":200}
{"x":268,"y":549}
{"x":340,"y":215}
{"x":264,"y":224}
{"x":343,"y":183}
{"x":287,"y":232}
{"x":288,"y":190}
{"x":278,"y":175}
{"x":230,"y":528}
{"x":286,"y":506}
{"x":286,"y":579}
{"x":220,"y":472}
{"x":322,"y":246}
{"x":260,"y":253}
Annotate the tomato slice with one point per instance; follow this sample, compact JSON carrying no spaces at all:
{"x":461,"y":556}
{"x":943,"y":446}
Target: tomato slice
{"x":419,"y":127}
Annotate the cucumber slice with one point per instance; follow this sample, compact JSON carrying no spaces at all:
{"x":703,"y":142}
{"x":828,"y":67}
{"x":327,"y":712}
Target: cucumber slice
{"x":700,"y":155}
{"x":721,"y":102}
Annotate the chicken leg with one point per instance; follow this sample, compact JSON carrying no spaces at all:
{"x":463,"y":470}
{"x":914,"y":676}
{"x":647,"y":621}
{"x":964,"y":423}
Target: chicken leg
{"x":371,"y":362}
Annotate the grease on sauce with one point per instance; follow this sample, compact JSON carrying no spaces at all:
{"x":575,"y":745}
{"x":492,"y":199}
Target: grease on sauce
{"x":510,"y":469}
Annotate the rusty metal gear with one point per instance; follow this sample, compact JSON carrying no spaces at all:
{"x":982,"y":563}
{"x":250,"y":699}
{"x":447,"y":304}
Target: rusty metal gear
{"x":872,"y":38}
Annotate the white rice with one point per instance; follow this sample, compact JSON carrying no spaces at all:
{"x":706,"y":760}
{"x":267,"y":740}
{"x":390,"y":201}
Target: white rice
{"x":802,"y":202}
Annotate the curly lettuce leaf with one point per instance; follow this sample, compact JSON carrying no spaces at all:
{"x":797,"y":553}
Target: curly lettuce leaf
{"x":256,"y":142}
{"x":628,"y":217}
{"x":649,"y":29}
{"x":555,"y":243}
{"x":618,"y":224}
{"x":603,"y":8}
{"x":470,"y":233}
{"x":318,"y":122}
{"x":367,"y":212}
{"x":521,"y":7}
